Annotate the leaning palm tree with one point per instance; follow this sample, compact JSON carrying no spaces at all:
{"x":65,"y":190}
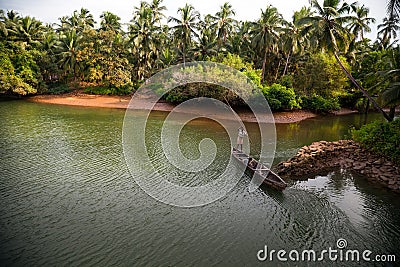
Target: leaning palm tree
{"x":328,"y":31}
{"x":265,"y":33}
{"x":185,"y":27}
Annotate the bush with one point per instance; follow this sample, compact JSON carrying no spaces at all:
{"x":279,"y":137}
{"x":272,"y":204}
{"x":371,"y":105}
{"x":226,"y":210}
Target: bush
{"x":280,"y":97}
{"x":350,"y":100}
{"x":381,"y":137}
{"x":56,"y":89}
{"x":319,"y":104}
{"x":321,"y":74}
{"x":103,"y":90}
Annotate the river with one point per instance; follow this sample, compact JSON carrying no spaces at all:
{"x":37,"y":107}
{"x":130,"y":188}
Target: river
{"x":67,"y":198}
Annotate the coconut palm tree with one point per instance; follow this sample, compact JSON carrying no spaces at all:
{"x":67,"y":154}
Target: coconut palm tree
{"x":393,"y":8}
{"x":265,"y":32}
{"x":327,"y":30}
{"x":293,"y":39}
{"x":224,"y":23}
{"x":67,"y":50}
{"x":157,"y":9}
{"x":388,"y":30}
{"x":206,"y":45}
{"x":185,"y":27}
{"x":391,"y":94}
{"x":29,"y":30}
{"x":110,"y":22}
{"x":360,"y":22}
{"x":143,"y":35}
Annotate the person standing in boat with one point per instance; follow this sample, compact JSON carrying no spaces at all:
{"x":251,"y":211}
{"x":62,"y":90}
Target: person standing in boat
{"x":241,"y":134}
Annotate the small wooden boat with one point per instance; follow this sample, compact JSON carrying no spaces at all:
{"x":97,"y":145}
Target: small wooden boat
{"x":253,"y":167}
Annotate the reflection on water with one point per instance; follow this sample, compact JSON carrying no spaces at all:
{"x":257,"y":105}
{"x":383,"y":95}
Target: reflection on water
{"x":67,"y":198}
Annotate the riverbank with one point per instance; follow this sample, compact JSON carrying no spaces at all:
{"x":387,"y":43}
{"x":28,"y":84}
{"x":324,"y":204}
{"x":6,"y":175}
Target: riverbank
{"x":121,"y":102}
{"x":346,"y":154}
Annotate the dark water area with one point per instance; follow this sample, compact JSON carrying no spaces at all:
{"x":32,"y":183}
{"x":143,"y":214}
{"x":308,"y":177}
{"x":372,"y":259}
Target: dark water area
{"x":67,"y":198}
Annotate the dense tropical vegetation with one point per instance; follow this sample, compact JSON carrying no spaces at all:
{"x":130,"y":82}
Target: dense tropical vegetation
{"x":382,"y":138}
{"x":320,"y":60}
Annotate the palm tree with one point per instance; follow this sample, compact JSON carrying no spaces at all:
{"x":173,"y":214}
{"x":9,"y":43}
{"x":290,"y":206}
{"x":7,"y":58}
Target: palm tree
{"x":388,"y":30}
{"x":68,"y":48}
{"x":265,"y":33}
{"x":326,"y":28}
{"x":224,"y":23}
{"x":157,"y":9}
{"x":294,"y":41}
{"x":143,"y":36}
{"x":240,"y":41}
{"x":185,"y":27}
{"x":110,"y":22}
{"x":206,"y":46}
{"x":79,"y":21}
{"x":29,"y":30}
{"x":9,"y":23}
{"x":85,"y":19}
{"x":391,"y":94}
{"x":360,"y":23}
{"x":390,"y":24}
{"x":393,"y":8}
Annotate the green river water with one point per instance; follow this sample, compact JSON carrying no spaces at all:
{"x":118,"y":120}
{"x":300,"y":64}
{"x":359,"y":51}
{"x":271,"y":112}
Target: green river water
{"x":67,"y":198}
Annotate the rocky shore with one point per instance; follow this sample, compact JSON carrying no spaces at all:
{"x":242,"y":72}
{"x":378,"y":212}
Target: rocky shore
{"x":346,"y":154}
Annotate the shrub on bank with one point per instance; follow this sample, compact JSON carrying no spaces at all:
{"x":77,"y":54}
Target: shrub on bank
{"x":280,"y":97}
{"x":381,"y":137}
{"x":106,"y":90}
{"x":320,"y":104}
{"x":56,"y":89}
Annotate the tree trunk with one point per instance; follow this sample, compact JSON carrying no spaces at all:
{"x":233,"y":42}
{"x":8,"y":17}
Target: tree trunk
{"x":183,"y":52}
{"x":362,"y":89}
{"x":392,"y":112}
{"x":263,"y":66}
{"x":286,"y":64}
{"x":277,"y":71}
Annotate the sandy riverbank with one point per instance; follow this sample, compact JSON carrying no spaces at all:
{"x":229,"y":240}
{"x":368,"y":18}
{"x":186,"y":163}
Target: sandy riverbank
{"x":123,"y":101}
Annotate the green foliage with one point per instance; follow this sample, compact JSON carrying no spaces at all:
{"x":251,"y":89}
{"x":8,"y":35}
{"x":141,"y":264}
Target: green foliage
{"x":58,"y":88}
{"x":18,"y":72}
{"x":381,"y":137}
{"x":102,"y":90}
{"x":279,"y":97}
{"x":320,"y":104}
{"x":349,"y":99}
{"x":239,"y":64}
{"x":286,"y":80}
{"x":320,"y":74}
{"x":97,"y":90}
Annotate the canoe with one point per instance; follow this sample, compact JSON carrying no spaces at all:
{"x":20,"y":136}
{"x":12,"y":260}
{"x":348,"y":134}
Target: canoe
{"x":253,"y":167}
